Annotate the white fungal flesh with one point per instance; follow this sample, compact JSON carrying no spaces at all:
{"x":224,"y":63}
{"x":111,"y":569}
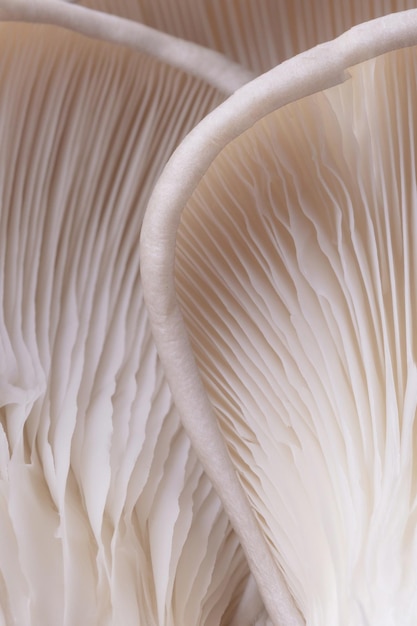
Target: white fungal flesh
{"x":106,"y":514}
{"x":295,"y":272}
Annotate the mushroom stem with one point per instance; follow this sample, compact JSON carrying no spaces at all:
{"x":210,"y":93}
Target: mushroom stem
{"x":309,"y":72}
{"x":212,"y":67}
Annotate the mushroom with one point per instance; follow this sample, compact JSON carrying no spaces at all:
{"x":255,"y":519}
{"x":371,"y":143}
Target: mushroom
{"x":280,"y":280}
{"x":106,"y":514}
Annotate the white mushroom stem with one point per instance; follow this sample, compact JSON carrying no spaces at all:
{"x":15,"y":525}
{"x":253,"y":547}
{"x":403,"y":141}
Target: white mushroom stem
{"x":308,"y":73}
{"x":212,"y":67}
{"x":258,"y":35}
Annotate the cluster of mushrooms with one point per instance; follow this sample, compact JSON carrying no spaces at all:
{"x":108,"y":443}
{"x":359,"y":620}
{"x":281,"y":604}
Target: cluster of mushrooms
{"x":208,"y":321}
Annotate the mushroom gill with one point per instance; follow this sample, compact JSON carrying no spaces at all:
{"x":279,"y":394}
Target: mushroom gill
{"x":294,"y":238}
{"x":106,"y":514}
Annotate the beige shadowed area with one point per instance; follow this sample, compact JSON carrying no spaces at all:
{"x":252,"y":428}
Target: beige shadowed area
{"x":296,"y":276}
{"x":106,"y":514}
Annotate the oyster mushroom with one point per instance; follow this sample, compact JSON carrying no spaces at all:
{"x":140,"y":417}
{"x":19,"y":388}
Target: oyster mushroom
{"x":106,"y":514}
{"x":280,"y":279}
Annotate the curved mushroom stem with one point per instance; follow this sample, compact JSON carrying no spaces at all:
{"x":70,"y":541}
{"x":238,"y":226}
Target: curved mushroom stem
{"x":307,"y":73}
{"x":213,"y":67}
